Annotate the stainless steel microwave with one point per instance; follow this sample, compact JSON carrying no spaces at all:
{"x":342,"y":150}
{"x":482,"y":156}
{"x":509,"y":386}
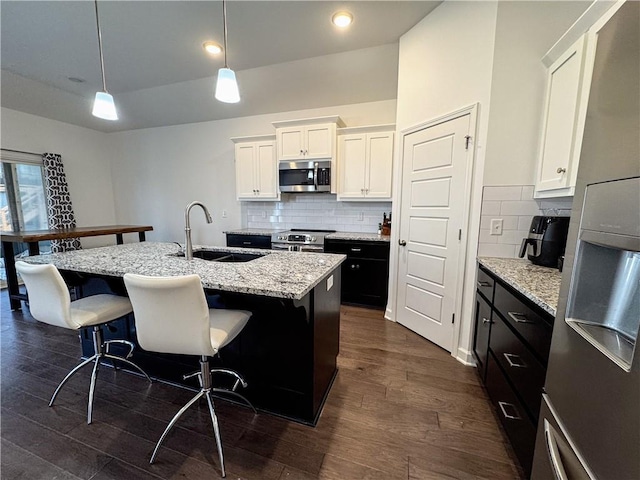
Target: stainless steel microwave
{"x":305,"y":176}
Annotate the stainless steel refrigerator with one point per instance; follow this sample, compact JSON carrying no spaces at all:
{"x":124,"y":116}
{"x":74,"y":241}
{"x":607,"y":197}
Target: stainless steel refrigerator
{"x":589,"y":424}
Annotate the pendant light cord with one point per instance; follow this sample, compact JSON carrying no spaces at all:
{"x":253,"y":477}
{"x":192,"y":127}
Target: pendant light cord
{"x":224,"y":24}
{"x":104,"y":81}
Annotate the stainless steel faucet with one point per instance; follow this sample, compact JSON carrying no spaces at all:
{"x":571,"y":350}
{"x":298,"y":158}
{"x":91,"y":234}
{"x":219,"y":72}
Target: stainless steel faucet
{"x":188,"y":248}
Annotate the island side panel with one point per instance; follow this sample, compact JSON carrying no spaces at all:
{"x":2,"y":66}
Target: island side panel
{"x":326,"y":309}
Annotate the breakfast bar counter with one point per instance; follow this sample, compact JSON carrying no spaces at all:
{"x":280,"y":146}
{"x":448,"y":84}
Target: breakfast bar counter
{"x":288,"y":350}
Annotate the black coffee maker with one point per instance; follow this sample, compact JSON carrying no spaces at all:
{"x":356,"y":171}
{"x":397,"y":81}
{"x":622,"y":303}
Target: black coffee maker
{"x":547,"y":240}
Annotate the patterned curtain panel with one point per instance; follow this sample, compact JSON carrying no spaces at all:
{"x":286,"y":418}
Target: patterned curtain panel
{"x":59,"y":208}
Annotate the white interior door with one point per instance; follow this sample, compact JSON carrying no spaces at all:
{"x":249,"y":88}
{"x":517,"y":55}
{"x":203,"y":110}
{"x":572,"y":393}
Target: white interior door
{"x":434,"y":171}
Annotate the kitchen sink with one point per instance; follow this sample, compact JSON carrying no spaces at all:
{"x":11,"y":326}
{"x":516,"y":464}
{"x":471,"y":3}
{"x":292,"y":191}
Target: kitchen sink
{"x":214,"y":256}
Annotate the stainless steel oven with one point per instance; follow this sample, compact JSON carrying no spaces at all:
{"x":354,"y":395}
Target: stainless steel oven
{"x":298,"y":240}
{"x":305,"y":176}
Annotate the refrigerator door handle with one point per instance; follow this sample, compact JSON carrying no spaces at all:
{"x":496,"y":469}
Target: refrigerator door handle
{"x":554,"y":453}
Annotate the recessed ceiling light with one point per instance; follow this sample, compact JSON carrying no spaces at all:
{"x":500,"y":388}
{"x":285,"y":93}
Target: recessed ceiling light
{"x":342,"y":19}
{"x":212,"y":47}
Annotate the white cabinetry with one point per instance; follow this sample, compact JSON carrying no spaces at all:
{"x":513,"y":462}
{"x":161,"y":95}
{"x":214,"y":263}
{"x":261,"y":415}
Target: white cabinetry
{"x":309,"y":139}
{"x":256,"y":168}
{"x":365,"y":163}
{"x":570,"y":67}
{"x":565,"y":114}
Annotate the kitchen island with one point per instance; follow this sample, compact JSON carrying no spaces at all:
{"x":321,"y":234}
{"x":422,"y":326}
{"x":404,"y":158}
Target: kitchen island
{"x":287,"y":352}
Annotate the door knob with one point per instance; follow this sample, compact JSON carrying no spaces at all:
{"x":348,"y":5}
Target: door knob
{"x":402,"y":243}
{"x":561,"y":170}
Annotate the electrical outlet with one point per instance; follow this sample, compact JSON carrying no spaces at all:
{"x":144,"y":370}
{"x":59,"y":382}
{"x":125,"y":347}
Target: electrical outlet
{"x":496,"y":226}
{"x":361,"y":216}
{"x":224,"y":214}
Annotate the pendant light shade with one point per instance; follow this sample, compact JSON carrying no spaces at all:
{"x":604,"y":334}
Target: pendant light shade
{"x":103,"y":105}
{"x":226,"y":85}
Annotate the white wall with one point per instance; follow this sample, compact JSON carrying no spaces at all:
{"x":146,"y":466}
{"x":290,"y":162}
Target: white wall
{"x":445,"y":64}
{"x":525,"y":31}
{"x":158,"y":171}
{"x":86,"y":157}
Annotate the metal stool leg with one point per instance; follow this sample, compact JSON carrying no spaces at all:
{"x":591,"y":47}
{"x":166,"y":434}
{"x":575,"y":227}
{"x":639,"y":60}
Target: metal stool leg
{"x":92,"y":388}
{"x":69,"y":375}
{"x":216,"y":431}
{"x":173,"y":421}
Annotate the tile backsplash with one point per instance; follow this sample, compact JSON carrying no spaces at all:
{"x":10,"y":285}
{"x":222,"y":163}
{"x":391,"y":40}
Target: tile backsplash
{"x":515,"y":206}
{"x":317,"y":211}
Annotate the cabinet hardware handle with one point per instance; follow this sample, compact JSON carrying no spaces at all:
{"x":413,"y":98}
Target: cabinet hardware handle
{"x":355,"y":267}
{"x":514,"y":360}
{"x":301,"y":152}
{"x":503,"y":406}
{"x":354,"y":249}
{"x":520,"y":317}
{"x":486,"y":320}
{"x":482,"y":284}
{"x":561,"y":170}
{"x":246,"y":243}
{"x":402,"y":243}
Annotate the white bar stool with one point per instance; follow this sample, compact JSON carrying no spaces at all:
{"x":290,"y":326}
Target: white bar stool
{"x":50,"y":302}
{"x":172,"y":316}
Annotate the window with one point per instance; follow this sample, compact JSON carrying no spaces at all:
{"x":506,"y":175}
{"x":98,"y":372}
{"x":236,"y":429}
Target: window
{"x":23,"y":203}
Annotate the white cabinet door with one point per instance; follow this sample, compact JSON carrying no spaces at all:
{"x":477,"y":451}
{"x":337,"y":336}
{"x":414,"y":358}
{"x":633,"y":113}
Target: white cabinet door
{"x":365,"y":161}
{"x":256,"y":168}
{"x":379,"y":165}
{"x":291,"y":143}
{"x":245,"y":171}
{"x":563,"y":122}
{"x":352,"y":166}
{"x":266,"y":170}
{"x":319,"y":141}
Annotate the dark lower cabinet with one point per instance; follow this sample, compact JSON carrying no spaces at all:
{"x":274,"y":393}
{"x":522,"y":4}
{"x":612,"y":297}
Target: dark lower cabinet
{"x":365,"y":273}
{"x":511,"y":347}
{"x":249,"y":241}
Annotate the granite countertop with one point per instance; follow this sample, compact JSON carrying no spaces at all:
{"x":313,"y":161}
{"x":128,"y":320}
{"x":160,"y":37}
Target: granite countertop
{"x":539,"y":284}
{"x":369,"y":237}
{"x":255,"y":231}
{"x":363,"y":236}
{"x":275,"y":274}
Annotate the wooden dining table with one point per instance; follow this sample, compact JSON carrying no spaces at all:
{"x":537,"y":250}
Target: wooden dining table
{"x":32,"y":237}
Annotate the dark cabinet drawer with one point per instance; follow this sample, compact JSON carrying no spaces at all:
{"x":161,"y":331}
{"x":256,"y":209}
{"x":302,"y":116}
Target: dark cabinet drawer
{"x":517,"y":424}
{"x":523,"y":370}
{"x":249,"y":241}
{"x":358,"y":249}
{"x":485,"y":284}
{"x":533,"y":326}
{"x":482,"y":331}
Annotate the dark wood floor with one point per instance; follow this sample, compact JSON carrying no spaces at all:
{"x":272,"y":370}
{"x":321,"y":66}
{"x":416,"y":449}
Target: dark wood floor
{"x":400,"y":408}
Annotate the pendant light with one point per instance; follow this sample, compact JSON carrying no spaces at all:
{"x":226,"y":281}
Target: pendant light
{"x":103,"y":105}
{"x":226,"y":85}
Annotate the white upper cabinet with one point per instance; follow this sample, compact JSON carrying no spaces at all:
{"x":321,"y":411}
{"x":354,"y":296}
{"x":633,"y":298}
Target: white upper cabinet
{"x":570,"y":67}
{"x":256,"y":168}
{"x":565,"y":114}
{"x":302,"y":143}
{"x":309,"y":139}
{"x":365,"y":163}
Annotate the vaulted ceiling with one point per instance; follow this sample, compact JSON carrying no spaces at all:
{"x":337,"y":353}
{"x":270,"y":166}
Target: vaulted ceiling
{"x":287,"y":56}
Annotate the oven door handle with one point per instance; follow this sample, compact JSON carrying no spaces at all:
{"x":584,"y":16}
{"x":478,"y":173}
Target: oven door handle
{"x":315,"y":175}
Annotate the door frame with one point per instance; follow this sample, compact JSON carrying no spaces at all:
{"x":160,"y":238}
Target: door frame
{"x":390,"y":312}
